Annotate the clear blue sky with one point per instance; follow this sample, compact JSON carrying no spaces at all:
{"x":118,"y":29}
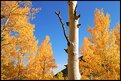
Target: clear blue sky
{"x":47,"y":23}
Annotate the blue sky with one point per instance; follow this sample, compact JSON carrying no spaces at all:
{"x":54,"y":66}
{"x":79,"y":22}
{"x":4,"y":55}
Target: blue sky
{"x":47,"y":23}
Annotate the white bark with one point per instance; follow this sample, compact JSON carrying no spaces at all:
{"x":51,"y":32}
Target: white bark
{"x":73,"y":61}
{"x":72,"y":41}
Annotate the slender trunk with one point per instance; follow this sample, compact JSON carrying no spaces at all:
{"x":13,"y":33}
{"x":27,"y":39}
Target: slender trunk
{"x":73,"y":49}
{"x":43,"y":72}
{"x":19,"y":67}
{"x":72,"y":40}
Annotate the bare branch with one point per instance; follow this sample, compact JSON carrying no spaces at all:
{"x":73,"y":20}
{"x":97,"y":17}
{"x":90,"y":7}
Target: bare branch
{"x":66,"y":50}
{"x":78,"y":25}
{"x":81,"y":59}
{"x":64,"y":31}
{"x":5,"y":44}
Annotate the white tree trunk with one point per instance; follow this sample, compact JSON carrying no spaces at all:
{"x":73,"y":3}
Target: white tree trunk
{"x":73,"y":48}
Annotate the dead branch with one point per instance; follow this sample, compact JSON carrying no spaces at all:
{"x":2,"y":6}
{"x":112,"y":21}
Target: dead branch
{"x":64,"y":31}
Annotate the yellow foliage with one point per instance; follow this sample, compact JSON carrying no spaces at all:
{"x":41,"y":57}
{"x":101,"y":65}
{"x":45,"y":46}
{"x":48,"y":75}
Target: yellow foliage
{"x":101,"y":52}
{"x":18,"y":47}
{"x":40,"y":68}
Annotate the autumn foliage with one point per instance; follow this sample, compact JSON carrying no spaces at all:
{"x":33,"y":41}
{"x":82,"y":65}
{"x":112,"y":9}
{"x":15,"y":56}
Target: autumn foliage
{"x":40,"y":68}
{"x":101,"y":51}
{"x":23,"y":59}
{"x":19,"y":45}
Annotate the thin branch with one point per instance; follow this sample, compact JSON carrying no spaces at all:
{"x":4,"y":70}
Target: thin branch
{"x":81,"y":59}
{"x":64,"y":31}
{"x":4,"y":27}
{"x":66,"y":50}
{"x":14,"y":9}
{"x":5,"y":44}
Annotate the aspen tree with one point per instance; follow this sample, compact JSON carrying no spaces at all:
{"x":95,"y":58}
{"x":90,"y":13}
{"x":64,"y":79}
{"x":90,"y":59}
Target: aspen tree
{"x":72,"y":40}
